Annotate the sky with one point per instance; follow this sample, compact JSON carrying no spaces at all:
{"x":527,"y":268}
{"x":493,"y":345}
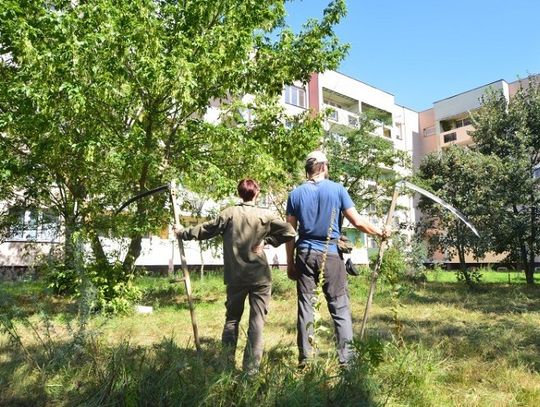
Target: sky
{"x":422,"y":51}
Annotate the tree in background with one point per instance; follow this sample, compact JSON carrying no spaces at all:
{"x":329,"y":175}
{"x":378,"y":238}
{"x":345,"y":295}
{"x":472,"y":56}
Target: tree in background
{"x":467,"y":180}
{"x":510,"y":131}
{"x":365,"y":163}
{"x":105,"y":99}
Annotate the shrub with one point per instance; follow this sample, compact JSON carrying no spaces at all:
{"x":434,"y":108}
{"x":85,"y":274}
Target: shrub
{"x":107,"y":289}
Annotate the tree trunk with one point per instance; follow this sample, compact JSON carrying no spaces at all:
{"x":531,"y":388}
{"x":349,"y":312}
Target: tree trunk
{"x":132,"y":255}
{"x":529,"y":272}
{"x":69,"y":244}
{"x":202,"y":262}
{"x":99,"y":254}
{"x":463,"y":266}
{"x":522,"y":248}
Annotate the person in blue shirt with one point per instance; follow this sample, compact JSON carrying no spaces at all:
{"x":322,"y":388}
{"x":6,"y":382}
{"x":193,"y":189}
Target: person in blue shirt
{"x":315,"y":209}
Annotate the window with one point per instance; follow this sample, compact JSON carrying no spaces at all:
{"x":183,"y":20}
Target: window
{"x":450,"y":137}
{"x":399,"y":134}
{"x":333,"y":104}
{"x":387,"y":132}
{"x":294,"y":95}
{"x":372,"y":243}
{"x":34,"y":226}
{"x":25,"y":227}
{"x":334,"y":115}
{"x":247,"y":114}
{"x":451,"y":124}
{"x":429,"y":131}
{"x":353,"y":121}
{"x":447,"y":125}
{"x":536,"y":171}
{"x":463,"y":122}
{"x":374,"y":113}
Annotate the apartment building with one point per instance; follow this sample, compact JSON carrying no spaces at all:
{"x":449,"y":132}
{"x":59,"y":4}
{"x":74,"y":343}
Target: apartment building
{"x":448,"y":122}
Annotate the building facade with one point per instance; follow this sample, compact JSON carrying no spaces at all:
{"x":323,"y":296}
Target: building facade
{"x":417,"y":134}
{"x":448,"y":122}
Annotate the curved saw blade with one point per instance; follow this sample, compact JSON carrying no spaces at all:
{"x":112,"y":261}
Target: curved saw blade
{"x":142,"y":195}
{"x":441,"y":202}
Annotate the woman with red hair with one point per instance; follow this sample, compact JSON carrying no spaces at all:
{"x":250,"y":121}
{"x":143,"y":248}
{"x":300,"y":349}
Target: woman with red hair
{"x":245,"y":228}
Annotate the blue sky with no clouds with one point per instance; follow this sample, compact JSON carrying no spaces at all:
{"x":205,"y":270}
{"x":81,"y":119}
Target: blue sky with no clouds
{"x":422,"y":51}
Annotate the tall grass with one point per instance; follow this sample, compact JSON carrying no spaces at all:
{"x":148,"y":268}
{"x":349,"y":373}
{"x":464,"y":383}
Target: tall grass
{"x":461,"y":348}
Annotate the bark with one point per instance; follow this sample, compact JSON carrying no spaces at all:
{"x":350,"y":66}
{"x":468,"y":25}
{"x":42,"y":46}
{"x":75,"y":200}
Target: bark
{"x":463,"y":265}
{"x":529,"y":272}
{"x":202,"y":262}
{"x":99,"y":254}
{"x":135,"y":245}
{"x":522,"y":248}
{"x":70,"y":248}
{"x":133,"y":253}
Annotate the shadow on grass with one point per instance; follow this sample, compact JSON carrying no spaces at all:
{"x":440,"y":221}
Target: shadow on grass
{"x":26,"y":303}
{"x":175,"y":295}
{"x":487,"y":298}
{"x":93,"y":374}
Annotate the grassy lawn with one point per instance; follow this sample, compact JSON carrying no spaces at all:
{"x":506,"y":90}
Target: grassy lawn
{"x":461,"y":348}
{"x":487,"y":276}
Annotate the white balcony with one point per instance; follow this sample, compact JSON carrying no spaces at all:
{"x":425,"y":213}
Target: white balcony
{"x":342,"y":116}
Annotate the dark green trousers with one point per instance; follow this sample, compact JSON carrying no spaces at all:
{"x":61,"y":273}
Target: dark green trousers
{"x":259,"y":300}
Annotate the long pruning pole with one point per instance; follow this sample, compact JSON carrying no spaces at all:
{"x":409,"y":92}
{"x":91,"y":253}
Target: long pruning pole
{"x":375,"y":273}
{"x":185,"y":271}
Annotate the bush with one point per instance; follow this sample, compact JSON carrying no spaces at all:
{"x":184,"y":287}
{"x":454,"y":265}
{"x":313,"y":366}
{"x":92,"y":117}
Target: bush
{"x":113,"y":289}
{"x":60,"y":278}
{"x":108,"y":289}
{"x":416,"y":271}
{"x":469,"y":276}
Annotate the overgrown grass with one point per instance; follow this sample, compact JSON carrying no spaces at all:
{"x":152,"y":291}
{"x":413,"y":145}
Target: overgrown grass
{"x":462,"y":348}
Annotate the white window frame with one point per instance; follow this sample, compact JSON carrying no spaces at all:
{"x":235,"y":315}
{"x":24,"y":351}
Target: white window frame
{"x":295,"y":95}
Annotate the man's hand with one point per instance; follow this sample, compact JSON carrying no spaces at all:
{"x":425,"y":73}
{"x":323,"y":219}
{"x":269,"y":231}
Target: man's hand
{"x":386,"y":233}
{"x":292,"y":272}
{"x":178,"y":229}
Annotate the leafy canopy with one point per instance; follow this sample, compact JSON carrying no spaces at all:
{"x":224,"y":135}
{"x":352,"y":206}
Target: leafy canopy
{"x":100,"y":100}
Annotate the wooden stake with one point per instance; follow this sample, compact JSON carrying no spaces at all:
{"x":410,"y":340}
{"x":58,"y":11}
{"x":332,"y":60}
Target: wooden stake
{"x":375,"y":274}
{"x":185,"y":271}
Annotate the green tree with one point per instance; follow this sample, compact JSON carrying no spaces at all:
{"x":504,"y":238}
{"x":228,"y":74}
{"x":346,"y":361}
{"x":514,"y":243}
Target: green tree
{"x":467,"y":180}
{"x":365,"y":163}
{"x":102,"y":100}
{"x":510,"y":130}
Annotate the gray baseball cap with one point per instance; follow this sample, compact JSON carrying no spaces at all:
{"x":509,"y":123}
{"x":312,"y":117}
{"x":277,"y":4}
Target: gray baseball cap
{"x":318,"y":157}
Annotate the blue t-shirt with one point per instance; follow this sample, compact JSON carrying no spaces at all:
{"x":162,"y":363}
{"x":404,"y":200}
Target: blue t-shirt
{"x":312,"y":204}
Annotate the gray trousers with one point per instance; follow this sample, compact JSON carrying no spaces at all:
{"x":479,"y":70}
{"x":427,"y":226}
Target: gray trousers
{"x":308,"y":264}
{"x":259,"y":299}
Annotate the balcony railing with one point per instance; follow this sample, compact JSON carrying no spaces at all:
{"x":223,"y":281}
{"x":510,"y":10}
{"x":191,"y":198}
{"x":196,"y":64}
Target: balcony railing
{"x":342,"y":116}
{"x":458,"y":136}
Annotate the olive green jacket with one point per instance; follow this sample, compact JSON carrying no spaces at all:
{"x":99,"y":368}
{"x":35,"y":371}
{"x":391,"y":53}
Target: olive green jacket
{"x":244,"y":226}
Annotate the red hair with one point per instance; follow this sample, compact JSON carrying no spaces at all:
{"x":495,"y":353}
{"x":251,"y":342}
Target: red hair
{"x":247,"y":189}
